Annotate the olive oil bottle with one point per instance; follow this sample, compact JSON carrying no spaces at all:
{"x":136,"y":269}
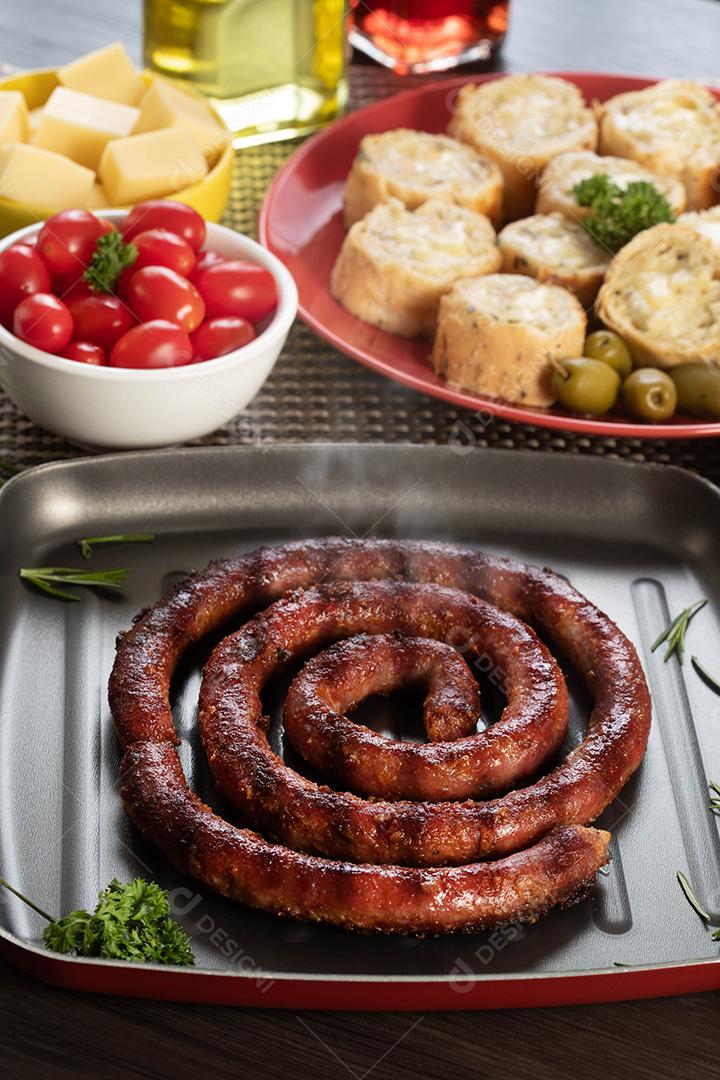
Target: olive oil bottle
{"x":274,"y":69}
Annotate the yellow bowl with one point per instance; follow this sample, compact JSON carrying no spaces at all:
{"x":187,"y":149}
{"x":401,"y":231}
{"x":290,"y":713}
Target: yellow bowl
{"x":209,"y":197}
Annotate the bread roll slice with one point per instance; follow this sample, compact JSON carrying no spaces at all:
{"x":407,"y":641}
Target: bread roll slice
{"x":662,"y":295}
{"x":414,"y":166}
{"x":522,"y":121}
{"x":704,"y":222}
{"x":552,"y":248}
{"x":395,"y":264}
{"x":499,"y":335}
{"x":672,"y":128}
{"x":559,"y":177}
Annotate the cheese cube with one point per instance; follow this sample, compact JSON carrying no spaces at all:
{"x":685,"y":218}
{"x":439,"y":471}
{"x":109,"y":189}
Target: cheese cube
{"x":165,"y":106}
{"x":97,"y":199}
{"x":14,"y":122}
{"x":149,"y":165}
{"x":106,"y":73}
{"x":80,"y":126}
{"x":41,"y":178}
{"x":34,"y":118}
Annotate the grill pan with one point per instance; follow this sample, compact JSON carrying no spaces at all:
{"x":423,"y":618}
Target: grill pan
{"x":640,"y":541}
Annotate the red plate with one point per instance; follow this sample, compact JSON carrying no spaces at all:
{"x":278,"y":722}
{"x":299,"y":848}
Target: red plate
{"x":301,"y":223}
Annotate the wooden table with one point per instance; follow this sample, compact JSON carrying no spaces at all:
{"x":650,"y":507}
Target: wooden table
{"x":49,"y":1033}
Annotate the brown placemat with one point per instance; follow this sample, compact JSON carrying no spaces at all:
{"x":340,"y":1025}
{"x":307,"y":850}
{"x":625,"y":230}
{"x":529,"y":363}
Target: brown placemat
{"x":317,"y":395}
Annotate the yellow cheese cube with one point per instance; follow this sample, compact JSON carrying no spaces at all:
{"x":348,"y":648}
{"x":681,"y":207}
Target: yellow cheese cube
{"x":34,"y":118}
{"x":97,"y":199}
{"x":149,"y":165}
{"x":80,"y":126}
{"x":14,"y":122}
{"x":106,"y":73}
{"x":41,"y":178}
{"x":165,"y":106}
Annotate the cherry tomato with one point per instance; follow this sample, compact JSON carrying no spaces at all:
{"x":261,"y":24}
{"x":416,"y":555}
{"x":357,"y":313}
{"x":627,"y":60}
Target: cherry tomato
{"x":100,"y":319}
{"x":67,"y":241}
{"x":216,"y":337}
{"x":238,"y":288}
{"x":154,"y":344}
{"x":156,"y":292}
{"x":160,"y":247}
{"x":166,"y":214}
{"x":206,"y":259}
{"x":107,"y":226}
{"x":22,"y":273}
{"x":78,"y":290}
{"x":121,"y":285}
{"x":85,"y":353}
{"x":43,"y":321}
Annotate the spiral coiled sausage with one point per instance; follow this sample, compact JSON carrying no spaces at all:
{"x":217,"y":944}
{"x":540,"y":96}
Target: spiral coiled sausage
{"x":550,"y":814}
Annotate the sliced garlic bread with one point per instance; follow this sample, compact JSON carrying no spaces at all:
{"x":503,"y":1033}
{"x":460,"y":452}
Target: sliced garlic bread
{"x":672,"y":128}
{"x":559,"y":177}
{"x":414,"y":166}
{"x":661,"y":294}
{"x":498,"y":335}
{"x":395,"y":263}
{"x":522,"y":121}
{"x":553,"y":249}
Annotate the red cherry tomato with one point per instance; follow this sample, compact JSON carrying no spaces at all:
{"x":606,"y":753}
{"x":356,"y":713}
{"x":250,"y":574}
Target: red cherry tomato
{"x":154,"y":344}
{"x":121,"y":285}
{"x":166,"y":214}
{"x":85,"y":353}
{"x":107,"y":226}
{"x":216,"y":337}
{"x":160,"y":247}
{"x":238,"y":288}
{"x":43,"y":321}
{"x":77,"y":291}
{"x":156,"y":292}
{"x":22,"y":273}
{"x":206,"y":259}
{"x":67,"y":241}
{"x":101,"y":319}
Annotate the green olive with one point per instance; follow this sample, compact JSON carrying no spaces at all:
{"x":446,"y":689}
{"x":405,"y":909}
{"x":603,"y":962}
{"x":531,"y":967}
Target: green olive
{"x":611,"y":349}
{"x":585,"y":385}
{"x":649,"y":394}
{"x":698,"y":389}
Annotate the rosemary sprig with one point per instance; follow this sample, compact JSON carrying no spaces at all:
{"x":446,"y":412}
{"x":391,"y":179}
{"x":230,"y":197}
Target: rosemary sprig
{"x":8,"y":470}
{"x":676,"y":631}
{"x":46,"y":578}
{"x":87,"y":545}
{"x":691,"y":897}
{"x":705,"y":675}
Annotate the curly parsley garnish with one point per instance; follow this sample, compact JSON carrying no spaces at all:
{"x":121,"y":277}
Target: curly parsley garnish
{"x":618,"y":213}
{"x":130,"y":922}
{"x":111,"y":256}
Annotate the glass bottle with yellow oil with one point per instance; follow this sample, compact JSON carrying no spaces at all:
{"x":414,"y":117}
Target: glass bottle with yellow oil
{"x":273,"y":69}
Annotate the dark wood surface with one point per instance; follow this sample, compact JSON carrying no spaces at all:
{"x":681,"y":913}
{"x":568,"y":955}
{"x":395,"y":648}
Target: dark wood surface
{"x":53,"y":1034}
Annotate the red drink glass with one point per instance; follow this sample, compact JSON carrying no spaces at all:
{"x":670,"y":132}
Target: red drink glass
{"x":416,"y":36}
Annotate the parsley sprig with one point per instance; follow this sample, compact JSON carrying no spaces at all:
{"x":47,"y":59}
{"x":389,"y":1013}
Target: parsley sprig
{"x":675,"y":633}
{"x":130,"y":922}
{"x":47,"y":578}
{"x":86,"y":546}
{"x":618,"y":214}
{"x":111,"y":256}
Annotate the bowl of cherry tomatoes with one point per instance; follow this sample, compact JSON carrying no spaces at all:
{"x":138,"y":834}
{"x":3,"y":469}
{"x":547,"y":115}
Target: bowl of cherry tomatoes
{"x":142,"y":329}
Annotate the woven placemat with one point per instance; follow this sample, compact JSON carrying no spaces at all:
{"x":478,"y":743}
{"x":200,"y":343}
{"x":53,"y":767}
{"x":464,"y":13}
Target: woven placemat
{"x":317,"y":395}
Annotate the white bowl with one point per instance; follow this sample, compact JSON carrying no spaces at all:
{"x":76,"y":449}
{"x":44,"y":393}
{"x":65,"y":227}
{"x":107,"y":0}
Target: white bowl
{"x":122,"y":408}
